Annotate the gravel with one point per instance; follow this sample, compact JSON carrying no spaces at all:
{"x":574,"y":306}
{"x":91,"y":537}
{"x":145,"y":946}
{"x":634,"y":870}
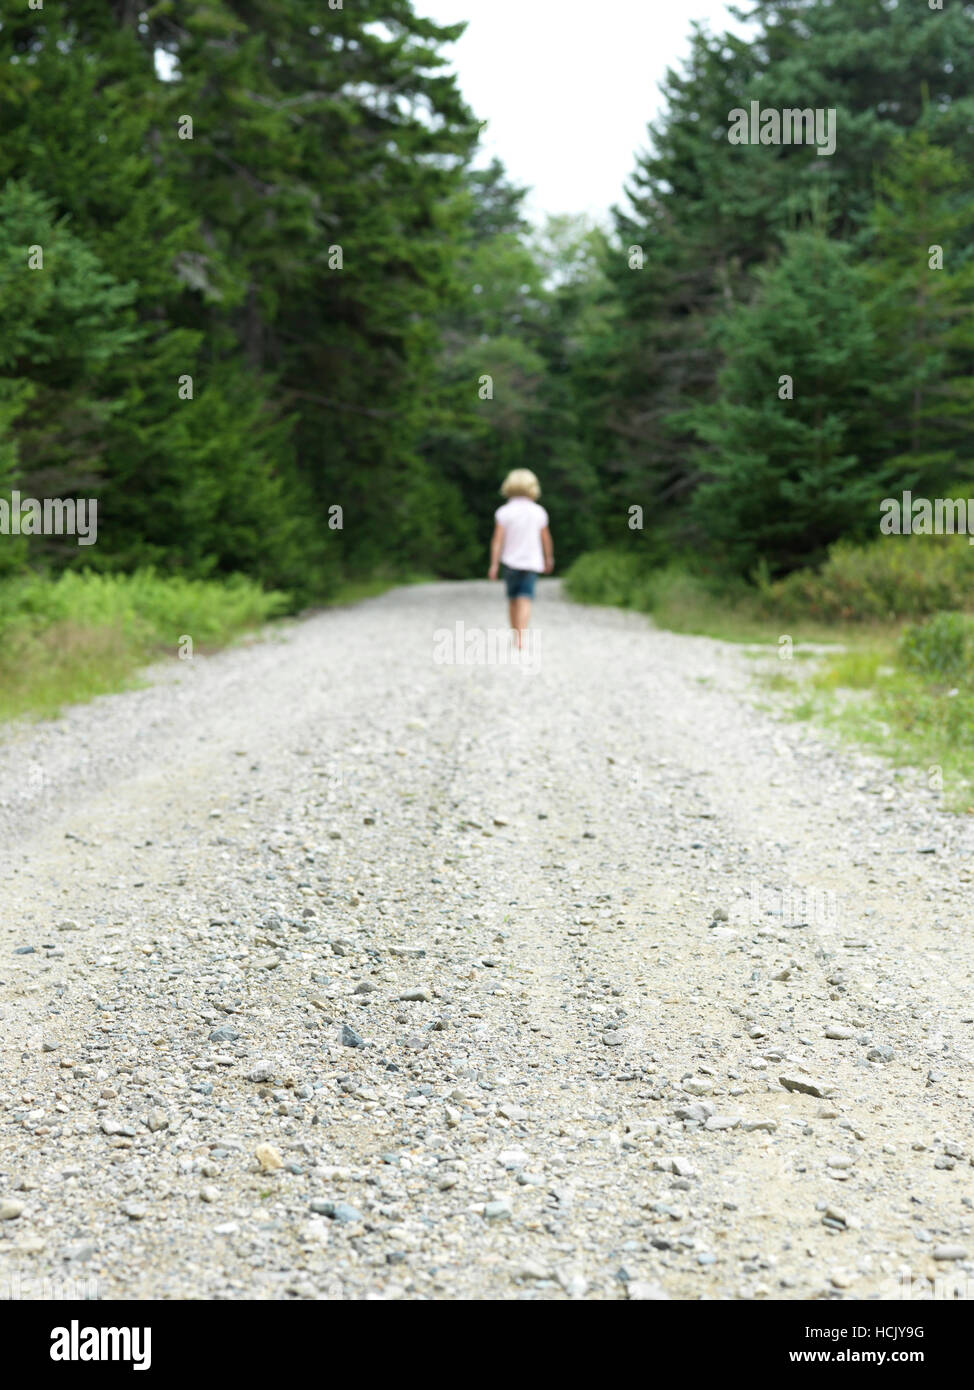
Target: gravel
{"x":328,"y":971}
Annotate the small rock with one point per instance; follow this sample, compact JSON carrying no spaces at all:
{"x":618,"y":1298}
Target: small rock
{"x":224,"y":1034}
{"x":110,"y":1126}
{"x":698,"y":1110}
{"x":512,"y":1112}
{"x":268,"y":1158}
{"x":573,"y":1281}
{"x":342,"y":1212}
{"x":643,"y":1291}
{"x":10,"y":1209}
{"x":807,"y":1086}
{"x":80,"y":1251}
{"x":514,"y":1158}
{"x":698,"y":1086}
{"x":497,"y":1211}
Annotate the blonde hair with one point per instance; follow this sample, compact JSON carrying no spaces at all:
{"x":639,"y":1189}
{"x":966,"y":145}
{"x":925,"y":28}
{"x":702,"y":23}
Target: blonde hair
{"x":521,"y":483}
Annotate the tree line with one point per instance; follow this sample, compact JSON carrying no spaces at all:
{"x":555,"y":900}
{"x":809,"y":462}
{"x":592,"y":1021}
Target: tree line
{"x":282,"y":321}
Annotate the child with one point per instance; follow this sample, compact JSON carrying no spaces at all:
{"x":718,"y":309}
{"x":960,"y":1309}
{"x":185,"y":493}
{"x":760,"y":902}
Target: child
{"x":522,"y":544}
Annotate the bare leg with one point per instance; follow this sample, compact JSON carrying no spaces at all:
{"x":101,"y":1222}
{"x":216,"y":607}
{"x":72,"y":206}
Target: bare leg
{"x":512,"y":611}
{"x":522,"y":616}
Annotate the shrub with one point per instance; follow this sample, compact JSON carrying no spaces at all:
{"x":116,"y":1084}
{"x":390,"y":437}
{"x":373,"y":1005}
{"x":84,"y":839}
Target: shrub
{"x":84,"y":633}
{"x":942,"y":649}
{"x":608,"y":577}
{"x":893,"y":577}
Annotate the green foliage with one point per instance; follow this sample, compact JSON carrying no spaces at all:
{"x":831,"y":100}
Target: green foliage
{"x":913,"y":698}
{"x":159,"y":609}
{"x":923,"y":316}
{"x":675,"y":590}
{"x":191,"y":352}
{"x":893,"y":577}
{"x":213,"y":262}
{"x":606,"y":577}
{"x":782,"y":478}
{"x":84,"y":634}
{"x":63,"y":323}
{"x":941,"y":649}
{"x":716,"y":221}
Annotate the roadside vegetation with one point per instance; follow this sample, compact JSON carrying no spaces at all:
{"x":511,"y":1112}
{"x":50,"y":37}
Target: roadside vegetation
{"x":877,"y":643}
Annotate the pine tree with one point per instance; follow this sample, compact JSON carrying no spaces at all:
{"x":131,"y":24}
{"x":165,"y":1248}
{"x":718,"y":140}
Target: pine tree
{"x":64,"y":320}
{"x":919,"y":268}
{"x":795,"y":443}
{"x":706,"y":214}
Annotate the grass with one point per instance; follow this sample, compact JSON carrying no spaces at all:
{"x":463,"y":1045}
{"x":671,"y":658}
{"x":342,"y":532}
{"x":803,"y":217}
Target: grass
{"x":699,"y":605}
{"x":904,"y":690}
{"x":67,"y":640}
{"x":918,"y":701}
{"x":867,"y":692}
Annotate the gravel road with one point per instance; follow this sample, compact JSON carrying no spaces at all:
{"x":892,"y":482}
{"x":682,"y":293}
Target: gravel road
{"x":332,"y":968}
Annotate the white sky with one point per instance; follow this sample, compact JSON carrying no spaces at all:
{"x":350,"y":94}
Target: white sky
{"x":568,"y":86}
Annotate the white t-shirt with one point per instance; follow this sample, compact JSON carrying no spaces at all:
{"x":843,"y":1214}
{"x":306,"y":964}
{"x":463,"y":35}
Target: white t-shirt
{"x":523,"y":521}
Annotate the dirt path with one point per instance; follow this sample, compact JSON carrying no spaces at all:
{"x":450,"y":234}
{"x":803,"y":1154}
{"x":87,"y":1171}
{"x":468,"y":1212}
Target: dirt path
{"x":631,"y":901}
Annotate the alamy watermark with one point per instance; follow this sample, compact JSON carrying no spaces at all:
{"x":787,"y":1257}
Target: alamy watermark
{"x":788,"y":126}
{"x":813,"y":907}
{"x":54,"y":516}
{"x":77,"y":1343}
{"x":492,"y":646}
{"x":950,"y":1286}
{"x":919,"y":516}
{"x":17,"y":1287}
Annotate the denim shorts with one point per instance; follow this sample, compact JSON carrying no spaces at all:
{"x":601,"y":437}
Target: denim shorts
{"x":520,"y":583}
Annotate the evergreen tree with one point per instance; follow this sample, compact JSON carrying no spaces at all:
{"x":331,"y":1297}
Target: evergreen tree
{"x":706,"y":214}
{"x":798,"y":413}
{"x":920,"y":275}
{"x":64,"y":320}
